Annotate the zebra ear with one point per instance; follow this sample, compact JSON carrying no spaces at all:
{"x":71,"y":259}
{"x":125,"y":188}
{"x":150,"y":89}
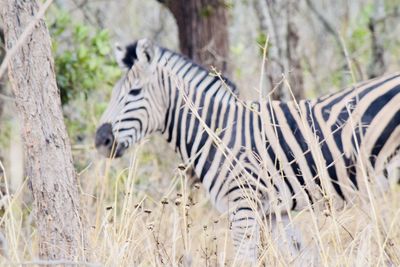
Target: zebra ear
{"x":120,"y":53}
{"x":145,"y":50}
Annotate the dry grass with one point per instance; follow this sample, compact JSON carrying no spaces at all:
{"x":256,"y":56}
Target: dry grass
{"x":147,"y":217}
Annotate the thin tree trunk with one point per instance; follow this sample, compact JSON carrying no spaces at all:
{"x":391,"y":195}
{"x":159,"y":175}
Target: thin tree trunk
{"x":277,"y":22}
{"x":203,"y":31}
{"x":274,"y":65}
{"x":47,"y":149}
{"x":295,"y":71}
{"x":2,"y":86}
{"x":377,"y":66}
{"x":2,"y":79}
{"x":335,"y":34}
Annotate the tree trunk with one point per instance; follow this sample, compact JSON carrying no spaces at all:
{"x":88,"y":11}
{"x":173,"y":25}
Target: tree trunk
{"x":330,"y":29}
{"x":2,"y":85}
{"x":295,"y":71}
{"x":377,"y":66}
{"x":277,"y":22}
{"x":203,"y":31}
{"x":47,"y":149}
{"x":2,"y":79}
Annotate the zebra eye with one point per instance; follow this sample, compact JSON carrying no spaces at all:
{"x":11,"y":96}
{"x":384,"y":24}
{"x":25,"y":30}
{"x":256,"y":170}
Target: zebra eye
{"x":134,"y":92}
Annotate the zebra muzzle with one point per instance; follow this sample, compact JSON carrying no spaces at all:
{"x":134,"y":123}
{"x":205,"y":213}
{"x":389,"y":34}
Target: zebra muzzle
{"x":105,"y":142}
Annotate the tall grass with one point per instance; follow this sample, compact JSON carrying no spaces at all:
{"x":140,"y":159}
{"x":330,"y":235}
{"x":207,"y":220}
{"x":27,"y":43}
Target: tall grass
{"x":165,"y":221}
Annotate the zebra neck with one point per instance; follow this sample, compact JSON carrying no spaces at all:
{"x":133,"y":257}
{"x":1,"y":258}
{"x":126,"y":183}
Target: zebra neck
{"x":197,"y":102}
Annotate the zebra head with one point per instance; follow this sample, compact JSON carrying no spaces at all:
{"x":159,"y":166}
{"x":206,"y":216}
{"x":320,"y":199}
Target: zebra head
{"x":136,"y":108}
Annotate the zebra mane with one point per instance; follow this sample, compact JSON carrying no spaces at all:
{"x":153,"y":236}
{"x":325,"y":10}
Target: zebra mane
{"x":131,"y":56}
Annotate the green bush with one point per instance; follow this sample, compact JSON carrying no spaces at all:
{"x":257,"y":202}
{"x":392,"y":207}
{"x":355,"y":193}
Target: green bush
{"x":82,"y":56}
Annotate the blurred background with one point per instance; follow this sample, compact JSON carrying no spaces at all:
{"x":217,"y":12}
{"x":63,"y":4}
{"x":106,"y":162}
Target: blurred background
{"x":320,"y":46}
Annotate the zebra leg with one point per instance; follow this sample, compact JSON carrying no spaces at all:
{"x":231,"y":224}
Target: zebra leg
{"x":288,"y":239}
{"x":245,"y":234}
{"x":285,"y":235}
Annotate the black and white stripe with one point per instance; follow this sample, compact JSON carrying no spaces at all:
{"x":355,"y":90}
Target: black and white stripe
{"x":271,"y":157}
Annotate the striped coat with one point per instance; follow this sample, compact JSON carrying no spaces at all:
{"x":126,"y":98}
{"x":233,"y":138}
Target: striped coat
{"x":256,"y":160}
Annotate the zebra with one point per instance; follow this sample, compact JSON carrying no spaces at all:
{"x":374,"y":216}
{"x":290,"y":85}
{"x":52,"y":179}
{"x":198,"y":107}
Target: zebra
{"x":258,"y":160}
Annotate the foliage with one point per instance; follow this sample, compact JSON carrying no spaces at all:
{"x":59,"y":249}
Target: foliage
{"x":81,"y":54}
{"x":84,"y":67}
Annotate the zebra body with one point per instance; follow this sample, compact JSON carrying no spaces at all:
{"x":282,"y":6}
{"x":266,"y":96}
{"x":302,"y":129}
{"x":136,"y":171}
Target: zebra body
{"x":255,"y":158}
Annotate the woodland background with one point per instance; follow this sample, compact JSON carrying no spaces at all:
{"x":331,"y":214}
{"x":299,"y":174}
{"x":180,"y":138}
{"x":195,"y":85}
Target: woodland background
{"x":140,"y":209}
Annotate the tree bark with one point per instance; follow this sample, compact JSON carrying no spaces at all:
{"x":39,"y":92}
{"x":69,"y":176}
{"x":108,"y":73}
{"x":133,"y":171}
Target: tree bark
{"x":47,"y":148}
{"x":203,"y":31}
{"x":2,"y":85}
{"x":2,"y":79}
{"x":295,"y":70}
{"x":330,"y":28}
{"x":377,"y":66}
{"x":277,"y":22}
